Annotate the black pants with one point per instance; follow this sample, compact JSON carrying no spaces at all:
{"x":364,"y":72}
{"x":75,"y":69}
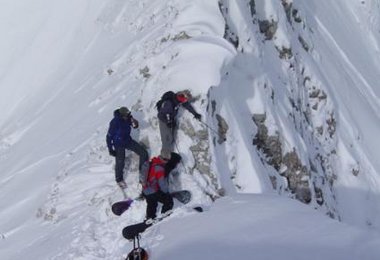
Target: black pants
{"x":120,"y":157}
{"x":152,"y":203}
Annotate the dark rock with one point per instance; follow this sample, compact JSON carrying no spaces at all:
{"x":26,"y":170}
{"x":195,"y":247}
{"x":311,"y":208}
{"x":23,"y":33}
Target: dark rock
{"x":268,"y":28}
{"x":222,"y":129}
{"x":303,"y":43}
{"x":145,"y":72}
{"x":252,"y":7}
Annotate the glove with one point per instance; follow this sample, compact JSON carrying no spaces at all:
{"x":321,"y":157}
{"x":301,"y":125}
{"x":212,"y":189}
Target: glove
{"x":198,"y":116}
{"x":135,"y":123}
{"x":112,"y":152}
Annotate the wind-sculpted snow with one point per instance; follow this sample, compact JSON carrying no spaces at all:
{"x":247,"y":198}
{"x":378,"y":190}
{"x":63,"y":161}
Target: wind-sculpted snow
{"x":263,"y":227}
{"x":310,"y":70}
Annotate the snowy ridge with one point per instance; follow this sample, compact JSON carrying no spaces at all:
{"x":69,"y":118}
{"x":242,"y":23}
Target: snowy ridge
{"x":307,"y":76}
{"x":281,"y":93}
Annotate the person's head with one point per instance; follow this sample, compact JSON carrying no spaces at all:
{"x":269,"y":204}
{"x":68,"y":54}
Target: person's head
{"x":183,"y":96}
{"x":175,"y":158}
{"x":124,"y":112}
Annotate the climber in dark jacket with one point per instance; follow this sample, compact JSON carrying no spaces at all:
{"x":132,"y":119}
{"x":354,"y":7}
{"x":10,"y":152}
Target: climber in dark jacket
{"x":167,"y":111}
{"x":119,"y":138}
{"x":156,"y":187}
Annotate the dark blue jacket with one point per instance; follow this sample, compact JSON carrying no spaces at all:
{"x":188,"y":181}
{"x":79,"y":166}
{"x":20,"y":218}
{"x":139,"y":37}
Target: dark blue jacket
{"x":119,"y":132}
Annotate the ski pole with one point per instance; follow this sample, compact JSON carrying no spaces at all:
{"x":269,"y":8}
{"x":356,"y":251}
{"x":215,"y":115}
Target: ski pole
{"x":209,"y":127}
{"x":138,"y":244}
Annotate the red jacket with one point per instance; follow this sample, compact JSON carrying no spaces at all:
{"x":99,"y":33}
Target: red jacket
{"x":156,"y":178}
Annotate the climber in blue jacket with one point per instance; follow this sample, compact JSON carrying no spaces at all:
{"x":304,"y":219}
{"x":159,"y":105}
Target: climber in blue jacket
{"x":119,"y":138}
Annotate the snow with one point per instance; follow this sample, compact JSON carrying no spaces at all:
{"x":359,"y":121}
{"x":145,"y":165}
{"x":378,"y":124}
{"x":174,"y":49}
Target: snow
{"x":65,"y":66}
{"x":269,"y":227}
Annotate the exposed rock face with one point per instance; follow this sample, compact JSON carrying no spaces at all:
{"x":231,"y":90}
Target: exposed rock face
{"x":202,"y":160}
{"x":288,"y":165}
{"x":229,"y":33}
{"x":252,"y":6}
{"x":298,"y":126}
{"x":268,"y":28}
{"x":270,"y":145}
{"x":222,"y":129}
{"x":298,"y":177}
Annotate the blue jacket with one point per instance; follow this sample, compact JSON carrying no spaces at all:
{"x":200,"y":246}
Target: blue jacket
{"x":119,"y":132}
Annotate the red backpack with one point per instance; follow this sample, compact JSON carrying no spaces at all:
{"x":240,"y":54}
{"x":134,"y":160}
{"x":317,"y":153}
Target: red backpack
{"x":151,"y":175}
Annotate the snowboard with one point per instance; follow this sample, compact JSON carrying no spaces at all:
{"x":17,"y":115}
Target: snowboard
{"x":183,"y":196}
{"x":130,"y":232}
{"x":118,"y":208}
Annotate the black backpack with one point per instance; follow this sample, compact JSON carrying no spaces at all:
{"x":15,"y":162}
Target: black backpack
{"x":137,"y":254}
{"x":172,"y":163}
{"x":170,"y":95}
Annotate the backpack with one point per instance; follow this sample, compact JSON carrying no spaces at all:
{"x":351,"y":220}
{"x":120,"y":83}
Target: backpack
{"x":175,"y":159}
{"x":170,"y":95}
{"x":144,"y":172}
{"x":137,"y":253}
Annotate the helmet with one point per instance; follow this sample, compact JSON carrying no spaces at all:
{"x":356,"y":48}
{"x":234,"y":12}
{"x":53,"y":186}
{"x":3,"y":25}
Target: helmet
{"x":184,"y":96}
{"x":124,"y":111}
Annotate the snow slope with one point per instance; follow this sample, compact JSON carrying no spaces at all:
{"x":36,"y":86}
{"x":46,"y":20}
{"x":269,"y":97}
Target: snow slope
{"x":304,"y":88}
{"x":65,"y":66}
{"x":268,"y":227}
